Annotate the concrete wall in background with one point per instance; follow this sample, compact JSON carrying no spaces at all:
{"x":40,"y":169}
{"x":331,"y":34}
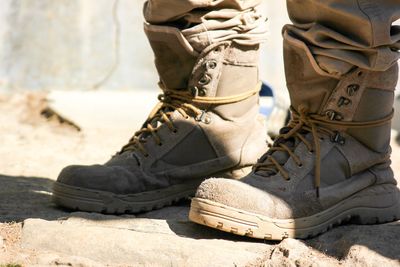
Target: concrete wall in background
{"x":94,"y":44}
{"x":73,"y":44}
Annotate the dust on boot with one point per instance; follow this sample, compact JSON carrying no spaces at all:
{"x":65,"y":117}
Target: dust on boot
{"x":330,"y":164}
{"x":206,"y":124}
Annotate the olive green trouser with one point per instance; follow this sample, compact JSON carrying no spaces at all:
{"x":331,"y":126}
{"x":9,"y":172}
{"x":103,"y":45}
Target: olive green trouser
{"x":338,"y":34}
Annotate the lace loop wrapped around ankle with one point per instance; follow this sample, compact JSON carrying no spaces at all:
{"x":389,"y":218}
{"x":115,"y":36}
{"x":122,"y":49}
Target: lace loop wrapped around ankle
{"x":183,"y":102}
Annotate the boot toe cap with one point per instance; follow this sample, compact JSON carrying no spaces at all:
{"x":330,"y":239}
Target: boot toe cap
{"x":98,"y":177}
{"x":239,"y":195}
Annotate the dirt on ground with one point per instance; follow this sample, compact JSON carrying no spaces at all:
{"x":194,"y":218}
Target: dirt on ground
{"x":36,"y":141}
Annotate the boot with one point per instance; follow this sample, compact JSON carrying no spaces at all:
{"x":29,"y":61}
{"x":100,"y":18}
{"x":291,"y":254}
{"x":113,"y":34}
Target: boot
{"x":329,"y":165}
{"x":206,"y":125}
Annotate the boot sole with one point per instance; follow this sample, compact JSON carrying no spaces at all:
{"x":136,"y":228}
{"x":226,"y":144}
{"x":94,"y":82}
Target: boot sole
{"x":82,"y":199}
{"x":360,"y":209}
{"x":77,"y":198}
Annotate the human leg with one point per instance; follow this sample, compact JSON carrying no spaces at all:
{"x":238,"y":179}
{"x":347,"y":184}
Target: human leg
{"x":206,"y":124}
{"x":332,"y":162}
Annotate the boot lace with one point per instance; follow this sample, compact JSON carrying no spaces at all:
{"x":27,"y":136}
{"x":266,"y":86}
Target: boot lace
{"x":301,"y":123}
{"x":183,"y":102}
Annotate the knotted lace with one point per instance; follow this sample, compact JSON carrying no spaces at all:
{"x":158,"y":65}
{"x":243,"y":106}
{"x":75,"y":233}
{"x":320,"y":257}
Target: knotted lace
{"x":300,"y":124}
{"x":183,"y":102}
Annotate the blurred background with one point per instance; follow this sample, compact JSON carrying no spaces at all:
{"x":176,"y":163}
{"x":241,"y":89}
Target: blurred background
{"x":94,"y":44}
{"x":87,"y":45}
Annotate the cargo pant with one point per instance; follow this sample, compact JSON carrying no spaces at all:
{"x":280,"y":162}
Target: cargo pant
{"x":337,"y":34}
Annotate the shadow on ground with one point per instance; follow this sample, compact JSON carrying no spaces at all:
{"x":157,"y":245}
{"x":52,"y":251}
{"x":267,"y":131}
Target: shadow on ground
{"x":26,"y":197}
{"x":338,"y":243}
{"x":30,"y":197}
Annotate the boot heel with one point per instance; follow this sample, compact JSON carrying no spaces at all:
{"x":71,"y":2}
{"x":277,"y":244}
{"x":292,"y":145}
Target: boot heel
{"x":374,"y":215}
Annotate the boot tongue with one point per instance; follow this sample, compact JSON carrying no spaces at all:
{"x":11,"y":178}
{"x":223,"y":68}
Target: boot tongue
{"x":281,"y":156}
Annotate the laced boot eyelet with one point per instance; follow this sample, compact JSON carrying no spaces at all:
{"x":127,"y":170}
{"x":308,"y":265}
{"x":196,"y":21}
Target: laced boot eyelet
{"x":210,"y":65}
{"x":338,"y":138}
{"x":206,"y":79}
{"x":343,"y":101}
{"x":217,"y":49}
{"x":333,"y":115}
{"x":203,"y":117}
{"x":352,"y":89}
{"x":202,"y":92}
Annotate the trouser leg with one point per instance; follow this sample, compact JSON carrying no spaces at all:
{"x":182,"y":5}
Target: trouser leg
{"x":206,"y":122}
{"x":340,"y":34}
{"x":332,"y":161}
{"x":204,"y":22}
{"x":198,"y":26}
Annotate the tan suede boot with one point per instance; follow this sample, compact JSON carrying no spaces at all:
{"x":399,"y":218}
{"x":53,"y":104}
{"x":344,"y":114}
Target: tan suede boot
{"x":329,"y":165}
{"x":206,"y":124}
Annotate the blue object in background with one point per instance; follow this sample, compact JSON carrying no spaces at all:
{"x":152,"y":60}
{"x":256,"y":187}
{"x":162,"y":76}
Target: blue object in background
{"x":266,"y":99}
{"x":266,"y":90}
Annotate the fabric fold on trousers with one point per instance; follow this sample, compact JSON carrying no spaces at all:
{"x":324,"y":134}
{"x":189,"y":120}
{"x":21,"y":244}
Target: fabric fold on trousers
{"x":206,"y":22}
{"x":341,"y":34}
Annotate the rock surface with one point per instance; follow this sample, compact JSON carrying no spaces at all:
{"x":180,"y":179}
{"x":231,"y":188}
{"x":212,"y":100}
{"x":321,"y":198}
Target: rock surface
{"x":137,"y":241}
{"x":133,"y":241}
{"x":36,"y":233}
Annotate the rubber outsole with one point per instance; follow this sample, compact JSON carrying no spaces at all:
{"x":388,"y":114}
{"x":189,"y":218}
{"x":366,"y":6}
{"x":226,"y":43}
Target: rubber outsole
{"x":78,"y":198}
{"x":239,"y":222}
{"x":82,"y":199}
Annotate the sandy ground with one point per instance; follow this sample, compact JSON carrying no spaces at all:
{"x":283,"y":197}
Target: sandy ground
{"x":35,"y":144}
